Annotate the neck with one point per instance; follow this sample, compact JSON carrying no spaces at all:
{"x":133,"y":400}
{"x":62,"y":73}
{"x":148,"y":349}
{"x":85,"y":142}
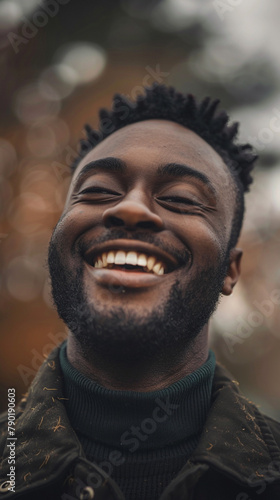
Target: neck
{"x":141,"y":376}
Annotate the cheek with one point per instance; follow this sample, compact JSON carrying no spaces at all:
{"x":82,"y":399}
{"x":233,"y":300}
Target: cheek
{"x":79,"y":218}
{"x":69,"y":227}
{"x":74,"y":224}
{"x":201,"y":238}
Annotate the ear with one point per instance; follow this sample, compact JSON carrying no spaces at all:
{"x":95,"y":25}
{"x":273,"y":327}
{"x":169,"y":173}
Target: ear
{"x":233,"y":271}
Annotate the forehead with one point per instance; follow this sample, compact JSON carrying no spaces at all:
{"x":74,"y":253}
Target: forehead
{"x":145,"y":145}
{"x":161,"y":141}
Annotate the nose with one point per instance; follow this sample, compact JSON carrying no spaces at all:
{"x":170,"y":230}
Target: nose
{"x":132,"y":213}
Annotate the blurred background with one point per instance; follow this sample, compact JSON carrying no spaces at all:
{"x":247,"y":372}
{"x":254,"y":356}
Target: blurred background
{"x":61,"y":60}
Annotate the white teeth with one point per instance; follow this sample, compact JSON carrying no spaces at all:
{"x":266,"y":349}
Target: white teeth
{"x":98,"y":263}
{"x":157,"y":268}
{"x":131,"y":258}
{"x":142,"y":260}
{"x":104,"y":260}
{"x":110,"y":257}
{"x":120,"y":257}
{"x":150,"y":263}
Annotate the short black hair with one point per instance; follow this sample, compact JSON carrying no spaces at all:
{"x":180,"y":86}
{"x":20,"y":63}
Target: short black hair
{"x":162,"y":102}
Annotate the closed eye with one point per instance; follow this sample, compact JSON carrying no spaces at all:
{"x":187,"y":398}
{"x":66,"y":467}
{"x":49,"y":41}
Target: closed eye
{"x":182,"y":205}
{"x":179,"y":199}
{"x":99,"y":190}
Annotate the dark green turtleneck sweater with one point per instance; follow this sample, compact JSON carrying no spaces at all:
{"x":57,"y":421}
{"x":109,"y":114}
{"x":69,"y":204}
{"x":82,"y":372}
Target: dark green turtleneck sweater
{"x":142,"y":439}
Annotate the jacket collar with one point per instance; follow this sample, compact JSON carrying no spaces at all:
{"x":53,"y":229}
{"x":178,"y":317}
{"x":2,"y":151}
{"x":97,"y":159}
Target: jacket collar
{"x":235,"y":441}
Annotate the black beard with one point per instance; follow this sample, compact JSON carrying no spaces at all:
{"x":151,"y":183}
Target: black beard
{"x":121,"y":336}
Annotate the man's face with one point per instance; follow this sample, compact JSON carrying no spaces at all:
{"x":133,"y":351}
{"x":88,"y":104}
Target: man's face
{"x":140,"y":252}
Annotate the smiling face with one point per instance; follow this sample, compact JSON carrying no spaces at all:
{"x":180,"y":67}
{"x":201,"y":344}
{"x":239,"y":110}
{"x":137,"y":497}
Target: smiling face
{"x":140,"y":254}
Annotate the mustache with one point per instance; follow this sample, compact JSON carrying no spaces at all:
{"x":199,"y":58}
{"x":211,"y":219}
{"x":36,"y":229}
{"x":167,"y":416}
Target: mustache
{"x":182,"y":258}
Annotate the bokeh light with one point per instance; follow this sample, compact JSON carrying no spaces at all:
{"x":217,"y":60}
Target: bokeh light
{"x":33,"y":104}
{"x":28,"y":213}
{"x":57,"y":81}
{"x":10,"y":14}
{"x":80,"y":62}
{"x":175,"y":15}
{"x":47,"y":137}
{"x":24,"y":279}
{"x":8,"y":158}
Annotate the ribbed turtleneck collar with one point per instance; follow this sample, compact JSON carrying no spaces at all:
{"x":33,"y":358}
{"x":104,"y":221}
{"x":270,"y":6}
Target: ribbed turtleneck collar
{"x":154,"y":419}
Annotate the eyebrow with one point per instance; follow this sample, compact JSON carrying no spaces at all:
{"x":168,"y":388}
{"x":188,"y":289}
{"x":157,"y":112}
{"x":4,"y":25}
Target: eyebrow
{"x":110,"y":164}
{"x":179,"y":170}
{"x":116,"y":165}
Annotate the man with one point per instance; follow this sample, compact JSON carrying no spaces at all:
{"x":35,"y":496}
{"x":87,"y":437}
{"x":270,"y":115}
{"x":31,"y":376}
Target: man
{"x":133,"y":406}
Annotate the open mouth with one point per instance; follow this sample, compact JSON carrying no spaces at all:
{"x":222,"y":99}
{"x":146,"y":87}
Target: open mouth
{"x":130,"y":261}
{"x":131,"y":257}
